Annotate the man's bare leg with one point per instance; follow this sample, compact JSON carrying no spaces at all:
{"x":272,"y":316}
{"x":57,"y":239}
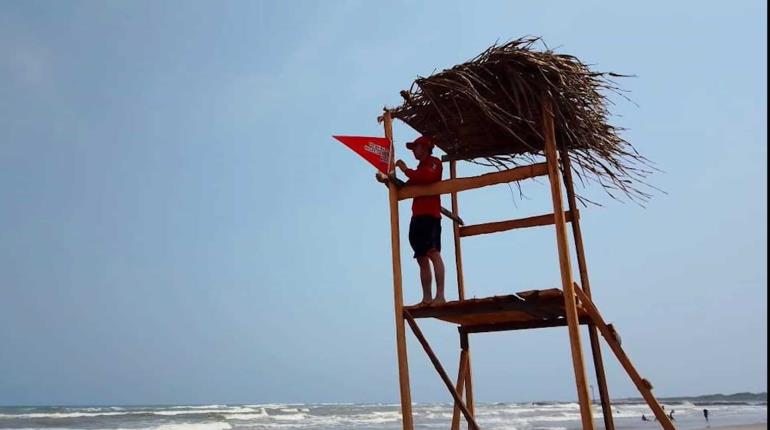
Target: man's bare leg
{"x":438,"y":268}
{"x":425,"y":278}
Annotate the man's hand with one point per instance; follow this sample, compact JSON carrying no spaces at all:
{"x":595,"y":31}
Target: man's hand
{"x":401,"y":165}
{"x":381,"y":177}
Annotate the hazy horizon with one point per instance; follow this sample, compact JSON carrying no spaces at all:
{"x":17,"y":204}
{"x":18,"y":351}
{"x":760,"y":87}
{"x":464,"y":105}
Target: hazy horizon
{"x":364,"y":403}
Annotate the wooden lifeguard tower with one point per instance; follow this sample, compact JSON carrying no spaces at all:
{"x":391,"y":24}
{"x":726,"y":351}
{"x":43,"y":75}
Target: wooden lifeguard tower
{"x":509,"y":104}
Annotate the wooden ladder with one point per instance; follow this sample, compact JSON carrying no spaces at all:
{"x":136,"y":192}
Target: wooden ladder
{"x":613,"y":340}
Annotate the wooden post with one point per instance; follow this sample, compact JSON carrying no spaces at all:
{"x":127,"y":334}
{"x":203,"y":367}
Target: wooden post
{"x":441,"y":372}
{"x":467,"y":378}
{"x":456,"y":233}
{"x":643,"y":385}
{"x":465,"y":344}
{"x":570,"y":305}
{"x":498,"y":226}
{"x":596,"y":351}
{"x":398,"y":298}
{"x":464,"y":372}
{"x":460,"y":388}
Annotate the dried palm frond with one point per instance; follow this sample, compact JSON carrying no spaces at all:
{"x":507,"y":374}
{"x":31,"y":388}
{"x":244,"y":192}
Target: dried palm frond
{"x":488,"y":110}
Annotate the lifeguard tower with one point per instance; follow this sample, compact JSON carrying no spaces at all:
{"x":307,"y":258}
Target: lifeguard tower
{"x":529,"y":113}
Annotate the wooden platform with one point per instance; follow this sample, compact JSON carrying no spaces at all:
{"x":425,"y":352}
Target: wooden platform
{"x":524,"y":310}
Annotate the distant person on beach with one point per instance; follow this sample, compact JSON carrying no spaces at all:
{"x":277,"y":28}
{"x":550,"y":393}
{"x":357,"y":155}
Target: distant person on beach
{"x":706,"y":414}
{"x":425,"y":227}
{"x":671,"y":415}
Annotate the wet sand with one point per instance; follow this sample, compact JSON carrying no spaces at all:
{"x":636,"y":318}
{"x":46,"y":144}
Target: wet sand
{"x":748,"y":427}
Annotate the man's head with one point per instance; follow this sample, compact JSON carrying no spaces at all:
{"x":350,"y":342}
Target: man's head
{"x":422,"y":147}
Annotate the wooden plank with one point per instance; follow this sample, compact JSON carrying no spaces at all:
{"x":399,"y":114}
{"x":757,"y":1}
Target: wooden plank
{"x":463,"y":184}
{"x":549,"y":294}
{"x":546,"y":311}
{"x":535,"y":302}
{"x":596,"y":351}
{"x":385,"y":180}
{"x":564,"y":263}
{"x":519,"y":325}
{"x":525,"y":306}
{"x":465,"y":344}
{"x":468,"y":307}
{"x":456,"y":237}
{"x":489,"y":318}
{"x":440,"y":369}
{"x":461,"y":370}
{"x":538,"y":313}
{"x":494,"y":227}
{"x":398,"y":298}
{"x":642,"y":384}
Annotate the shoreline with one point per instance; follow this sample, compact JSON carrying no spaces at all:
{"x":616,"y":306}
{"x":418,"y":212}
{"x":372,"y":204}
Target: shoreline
{"x":757,"y":426}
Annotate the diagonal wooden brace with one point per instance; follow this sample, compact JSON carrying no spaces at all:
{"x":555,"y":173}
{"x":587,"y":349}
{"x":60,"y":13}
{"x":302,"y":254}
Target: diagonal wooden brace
{"x":440,"y":369}
{"x":611,"y":337}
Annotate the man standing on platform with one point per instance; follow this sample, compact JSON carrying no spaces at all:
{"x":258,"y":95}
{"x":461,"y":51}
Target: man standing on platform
{"x":425,"y":227}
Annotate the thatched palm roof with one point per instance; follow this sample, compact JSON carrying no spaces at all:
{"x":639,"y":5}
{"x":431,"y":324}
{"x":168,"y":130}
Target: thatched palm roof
{"x":489,"y":108}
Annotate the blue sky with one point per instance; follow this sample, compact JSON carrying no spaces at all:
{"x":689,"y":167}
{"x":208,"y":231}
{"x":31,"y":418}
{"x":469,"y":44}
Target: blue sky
{"x":178,"y":225}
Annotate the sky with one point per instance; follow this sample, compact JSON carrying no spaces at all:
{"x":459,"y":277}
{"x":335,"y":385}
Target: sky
{"x":179,"y":227}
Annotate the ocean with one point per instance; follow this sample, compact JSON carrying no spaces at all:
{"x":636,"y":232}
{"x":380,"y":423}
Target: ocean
{"x":496,"y":416}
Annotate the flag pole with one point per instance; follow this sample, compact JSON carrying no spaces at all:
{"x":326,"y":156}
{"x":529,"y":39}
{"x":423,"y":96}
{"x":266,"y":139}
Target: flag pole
{"x":398,"y":297}
{"x":392,"y":151}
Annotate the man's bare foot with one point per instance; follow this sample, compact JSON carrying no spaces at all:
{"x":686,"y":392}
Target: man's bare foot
{"x":425,"y":302}
{"x":438,"y":301}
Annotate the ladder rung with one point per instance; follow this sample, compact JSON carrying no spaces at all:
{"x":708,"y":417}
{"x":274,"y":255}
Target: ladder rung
{"x":494,"y":227}
{"x":463,"y":184}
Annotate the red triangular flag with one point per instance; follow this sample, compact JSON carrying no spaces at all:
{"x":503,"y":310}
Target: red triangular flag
{"x":375,"y":150}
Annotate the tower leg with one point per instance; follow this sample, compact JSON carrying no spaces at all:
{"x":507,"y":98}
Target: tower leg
{"x":464,"y":381}
{"x":465,"y":344}
{"x":601,"y":378}
{"x":460,"y":388}
{"x":398,"y":297}
{"x":456,"y":237}
{"x":596,"y":351}
{"x":465,"y":373}
{"x":570,"y":305}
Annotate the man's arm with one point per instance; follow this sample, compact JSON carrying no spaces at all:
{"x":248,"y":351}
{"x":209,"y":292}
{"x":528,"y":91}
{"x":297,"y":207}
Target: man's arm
{"x":382,"y":178}
{"x":427,"y":173}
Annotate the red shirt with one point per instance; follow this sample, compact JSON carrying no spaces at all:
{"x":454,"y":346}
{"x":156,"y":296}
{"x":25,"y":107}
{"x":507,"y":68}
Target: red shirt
{"x":427,"y":172}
